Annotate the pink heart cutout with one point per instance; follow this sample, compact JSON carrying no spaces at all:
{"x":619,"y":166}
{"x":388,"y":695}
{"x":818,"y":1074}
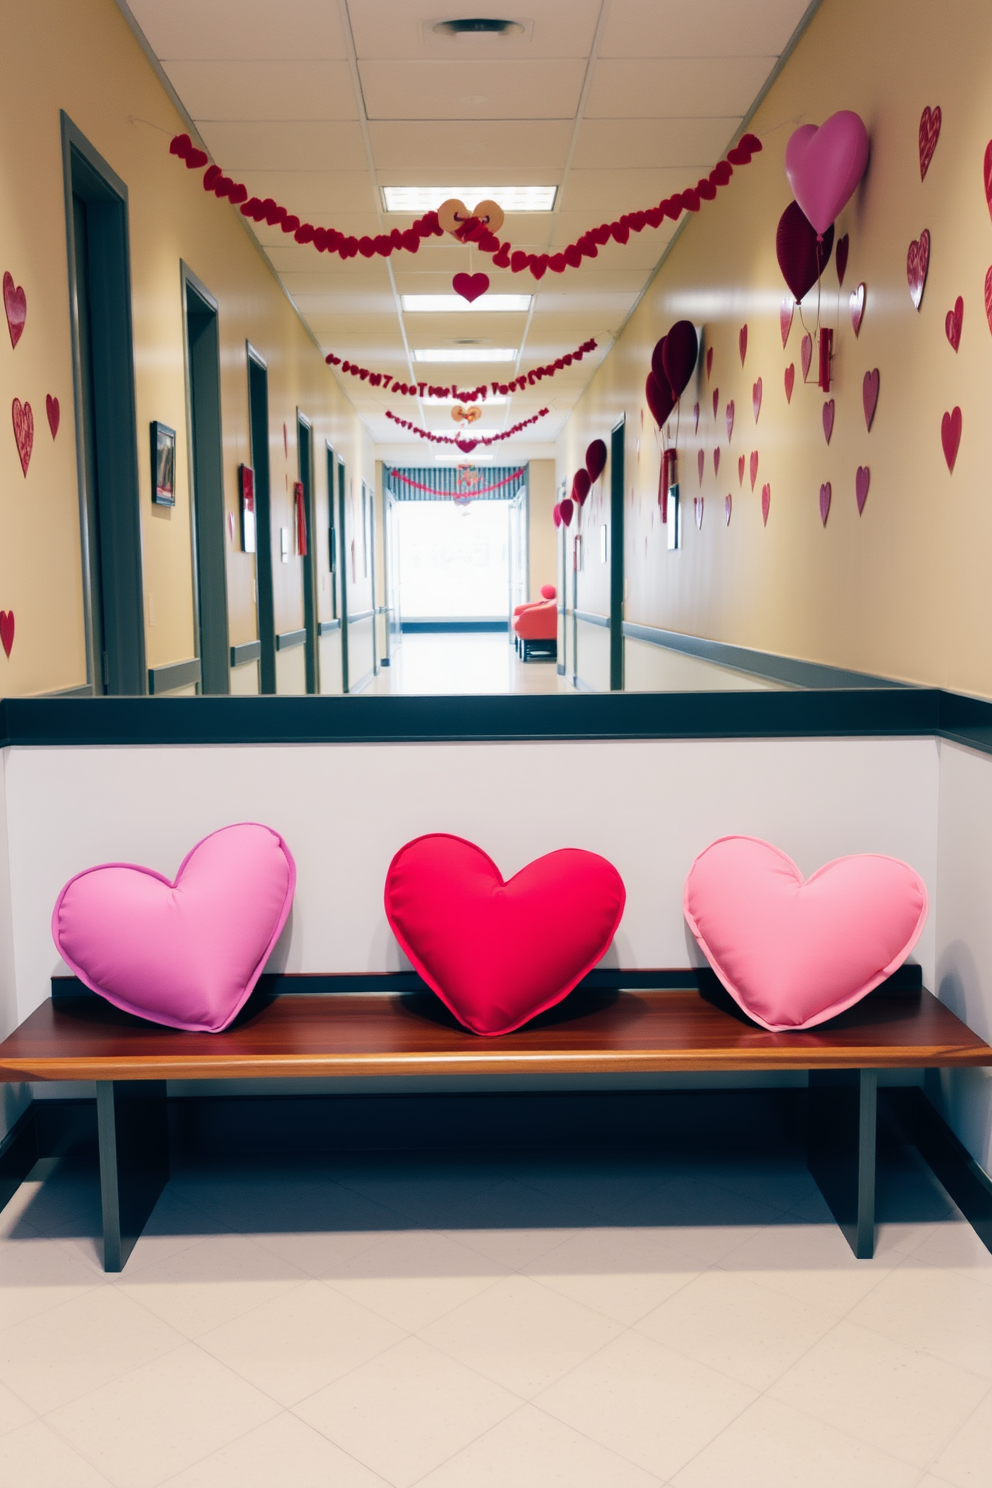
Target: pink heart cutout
{"x":869,"y":396}
{"x":862,"y":481}
{"x":950,"y":436}
{"x":499,"y":952}
{"x":697,"y":510}
{"x":766,"y":501}
{"x":754,"y":467}
{"x":790,"y":381}
{"x":716,"y":461}
{"x":742,"y":343}
{"x":756,"y":399}
{"x":825,"y":495}
{"x":54,"y":413}
{"x":7,"y":630}
{"x":470,"y":286}
{"x":701,"y":462}
{"x":728,"y":506}
{"x":785,"y":315}
{"x":730,"y":420}
{"x":918,"y":266}
{"x":186,"y":952}
{"x":840,"y":258}
{"x":695,"y":418}
{"x":858,"y":308}
{"x":23,"y":421}
{"x":709,"y":362}
{"x":793,"y":952}
{"x":929,"y":135}
{"x":828,"y":419}
{"x":741,"y":463}
{"x":716,"y":391}
{"x":806,"y":355}
{"x":16,"y":305}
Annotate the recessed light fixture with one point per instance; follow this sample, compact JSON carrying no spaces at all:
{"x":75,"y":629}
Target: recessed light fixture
{"x":429,"y":198}
{"x":466,"y":354}
{"x":441,"y":304}
{"x":478,"y":26}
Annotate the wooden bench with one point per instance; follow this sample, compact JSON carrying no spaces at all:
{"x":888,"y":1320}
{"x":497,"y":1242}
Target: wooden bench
{"x":616,"y":1023}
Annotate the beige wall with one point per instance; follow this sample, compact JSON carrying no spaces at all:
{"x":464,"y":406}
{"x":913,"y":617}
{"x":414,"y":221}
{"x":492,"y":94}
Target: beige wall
{"x":81,"y":57}
{"x":541,"y":536}
{"x":904,"y":589}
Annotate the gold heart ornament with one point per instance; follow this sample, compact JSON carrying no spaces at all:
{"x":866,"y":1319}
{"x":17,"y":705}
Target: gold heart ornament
{"x":453,"y":215}
{"x":465,"y":415}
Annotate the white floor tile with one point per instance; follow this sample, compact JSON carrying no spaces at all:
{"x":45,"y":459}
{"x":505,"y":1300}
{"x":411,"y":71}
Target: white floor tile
{"x":937,"y":1311}
{"x":296,"y":1343}
{"x":209,"y":1283}
{"x":407,"y":1411}
{"x":14,"y":1412}
{"x":622,"y":1273}
{"x":646,"y":1403}
{"x":283,"y":1451}
{"x":513,"y":1249}
{"x":966,"y":1461}
{"x":521,"y":1334}
{"x":957,"y":1247}
{"x":35,"y":1456}
{"x":162,"y":1418}
{"x":812,"y":1263}
{"x":414,"y":1277}
{"x":39,"y":1273}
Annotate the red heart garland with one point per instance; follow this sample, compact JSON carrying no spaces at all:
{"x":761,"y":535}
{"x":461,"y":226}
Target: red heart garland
{"x":716,"y":461}
{"x":54,"y":413}
{"x":16,"y":305}
{"x":861,"y":483}
{"x":785,"y":315}
{"x":857,"y":308}
{"x":709,"y":362}
{"x":869,"y":396}
{"x":929,"y":135}
{"x":730,"y":420}
{"x":756,"y":399}
{"x":742,"y":343}
{"x":23,"y":421}
{"x":828,"y":419}
{"x":952,"y":323}
{"x":766,"y":501}
{"x":790,"y":381}
{"x":728,"y":506}
{"x":950,"y":436}
{"x":470,"y":286}
{"x":754,"y":467}
{"x":918,"y":266}
{"x":825,"y":495}
{"x":841,"y":252}
{"x":988,"y":175}
{"x":7,"y":630}
{"x":806,"y":351}
{"x":988,"y":298}
{"x":741,"y":463}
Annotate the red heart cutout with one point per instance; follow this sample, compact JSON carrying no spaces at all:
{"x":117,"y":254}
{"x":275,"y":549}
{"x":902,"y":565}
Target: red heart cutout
{"x":742,"y":342}
{"x":728,"y":506}
{"x":790,"y":381}
{"x":54,"y":413}
{"x":825,"y":495}
{"x":806,"y":355}
{"x":918,"y":266}
{"x":861,"y":483}
{"x":754,"y":467}
{"x":7,"y":630}
{"x":23,"y":421}
{"x":756,"y":399}
{"x":16,"y":305}
{"x":869,"y":396}
{"x":716,"y":391}
{"x":952,"y":323}
{"x":499,"y":952}
{"x":740,"y":470}
{"x":988,"y":298}
{"x":709,"y":362}
{"x":841,"y":252}
{"x":697,"y":510}
{"x":701,"y":461}
{"x":470,"y":286}
{"x":929,"y":135}
{"x":466,"y":445}
{"x":730,"y":420}
{"x":950,"y":435}
{"x":695,"y":417}
{"x":857,"y":308}
{"x":766,"y":501}
{"x":785,"y":315}
{"x":828,"y":419}
{"x":716,"y":461}
{"x":988,"y":175}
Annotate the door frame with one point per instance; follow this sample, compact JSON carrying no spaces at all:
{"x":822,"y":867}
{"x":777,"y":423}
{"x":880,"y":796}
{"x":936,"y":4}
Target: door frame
{"x":264,"y":599}
{"x":617,"y":450}
{"x":304,"y":451}
{"x":343,"y":569}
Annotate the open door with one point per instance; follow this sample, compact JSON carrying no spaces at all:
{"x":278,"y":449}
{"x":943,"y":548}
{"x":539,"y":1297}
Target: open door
{"x":393,"y":565}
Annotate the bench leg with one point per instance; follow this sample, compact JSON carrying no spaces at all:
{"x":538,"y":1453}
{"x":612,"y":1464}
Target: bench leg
{"x":842,"y":1139}
{"x":132,"y":1126}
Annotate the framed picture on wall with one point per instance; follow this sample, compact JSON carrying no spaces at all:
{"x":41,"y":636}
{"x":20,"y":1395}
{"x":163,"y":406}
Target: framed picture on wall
{"x":163,"y":443}
{"x":246,"y":482}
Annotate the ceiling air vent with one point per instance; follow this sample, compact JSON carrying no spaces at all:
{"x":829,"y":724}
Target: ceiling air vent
{"x":479,"y":26}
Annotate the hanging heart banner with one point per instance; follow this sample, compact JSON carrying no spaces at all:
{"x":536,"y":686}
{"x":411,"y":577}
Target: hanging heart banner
{"x":468,"y":445}
{"x":389,"y":384}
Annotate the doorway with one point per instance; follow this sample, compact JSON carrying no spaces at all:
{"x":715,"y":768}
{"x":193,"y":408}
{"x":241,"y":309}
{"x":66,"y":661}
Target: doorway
{"x":258,"y":419}
{"x":206,"y":465}
{"x":304,"y":444}
{"x":106,"y":433}
{"x":616,"y":555}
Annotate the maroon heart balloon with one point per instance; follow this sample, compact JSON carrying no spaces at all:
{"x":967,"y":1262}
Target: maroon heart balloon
{"x":596,"y":459}
{"x":660,"y":400}
{"x":565,"y":509}
{"x":801,"y":257}
{"x":657,"y":360}
{"x":581,"y":485}
{"x":680,"y":351}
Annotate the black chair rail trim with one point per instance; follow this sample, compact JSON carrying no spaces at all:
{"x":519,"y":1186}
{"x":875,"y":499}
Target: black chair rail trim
{"x":286,"y":640}
{"x":784,"y":669}
{"x":175,"y":674}
{"x":247,"y":651}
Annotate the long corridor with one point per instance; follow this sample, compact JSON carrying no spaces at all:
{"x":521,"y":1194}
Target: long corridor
{"x":434,"y":663}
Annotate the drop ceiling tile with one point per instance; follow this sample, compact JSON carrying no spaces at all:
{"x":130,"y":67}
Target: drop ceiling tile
{"x":395,"y":29}
{"x":240,"y":28}
{"x":246,"y":146}
{"x":302,"y":258}
{"x":481,"y":90}
{"x":314,"y":195}
{"x":684,"y":87}
{"x":612,"y":192}
{"x":527,"y":153}
{"x":706,"y":28}
{"x":692,"y":145}
{"x":273,"y":89}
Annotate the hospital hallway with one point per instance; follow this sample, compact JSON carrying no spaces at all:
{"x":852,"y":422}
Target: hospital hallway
{"x":464,"y":662}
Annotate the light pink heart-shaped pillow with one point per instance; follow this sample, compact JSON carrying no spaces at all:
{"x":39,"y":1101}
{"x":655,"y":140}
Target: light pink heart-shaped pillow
{"x":793,"y":952}
{"x":185,"y":953}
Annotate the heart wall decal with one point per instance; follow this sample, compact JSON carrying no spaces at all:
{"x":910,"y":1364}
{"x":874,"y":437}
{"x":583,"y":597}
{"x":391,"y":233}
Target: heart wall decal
{"x":716,"y":391}
{"x":806,"y":355}
{"x":953,"y":321}
{"x":869,"y":396}
{"x":790,"y":380}
{"x":730,"y":420}
{"x":918,"y":266}
{"x":701,"y":463}
{"x":697,"y":510}
{"x":7,"y":631}
{"x":756,"y":399}
{"x":470,"y":286}
{"x":828,"y":419}
{"x":950,"y":436}
{"x":23,"y":421}
{"x":929,"y":135}
{"x":988,"y":297}
{"x":785,"y":318}
{"x":825,"y":495}
{"x":862,"y":481}
{"x":754,"y":467}
{"x":709,"y":362}
{"x":728,"y":506}
{"x":16,"y":305}
{"x":185,"y":952}
{"x":858,"y":308}
{"x":987,"y":176}
{"x":742,"y":342}
{"x":741,"y":463}
{"x":841,"y":252}
{"x":54,"y":413}
{"x":498,"y":952}
{"x":716,"y":461}
{"x":695,"y":418}
{"x":766,"y":502}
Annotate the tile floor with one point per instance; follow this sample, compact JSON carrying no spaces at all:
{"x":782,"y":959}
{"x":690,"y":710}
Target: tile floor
{"x":476,"y":662}
{"x":598,"y":1320}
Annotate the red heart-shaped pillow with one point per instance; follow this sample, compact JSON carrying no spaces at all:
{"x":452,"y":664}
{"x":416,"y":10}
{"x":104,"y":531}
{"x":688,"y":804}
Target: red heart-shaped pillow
{"x":496,"y":953}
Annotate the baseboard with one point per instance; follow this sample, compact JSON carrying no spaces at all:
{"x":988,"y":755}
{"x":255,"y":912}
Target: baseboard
{"x":965,"y":1180}
{"x":18,"y":1154}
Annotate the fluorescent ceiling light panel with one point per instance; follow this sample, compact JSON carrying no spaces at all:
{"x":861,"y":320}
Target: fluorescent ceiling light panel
{"x":443,"y":303}
{"x":429,"y":198}
{"x":466,"y":354}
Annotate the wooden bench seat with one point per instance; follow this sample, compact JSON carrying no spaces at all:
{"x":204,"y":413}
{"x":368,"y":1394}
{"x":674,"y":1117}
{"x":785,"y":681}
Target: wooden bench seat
{"x":685,"y":1024}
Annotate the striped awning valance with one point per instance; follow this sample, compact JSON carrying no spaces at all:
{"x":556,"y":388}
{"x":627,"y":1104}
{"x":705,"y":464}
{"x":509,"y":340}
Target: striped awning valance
{"x":447,"y":482}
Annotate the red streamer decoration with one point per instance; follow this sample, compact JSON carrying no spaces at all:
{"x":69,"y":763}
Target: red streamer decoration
{"x":505,"y":256}
{"x":461,"y":395}
{"x":468,"y":445}
{"x":459,"y":495}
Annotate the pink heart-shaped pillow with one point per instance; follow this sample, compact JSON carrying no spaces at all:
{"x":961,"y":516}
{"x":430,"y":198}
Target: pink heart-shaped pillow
{"x":185,"y":953}
{"x":793,"y":952}
{"x":496,"y":953}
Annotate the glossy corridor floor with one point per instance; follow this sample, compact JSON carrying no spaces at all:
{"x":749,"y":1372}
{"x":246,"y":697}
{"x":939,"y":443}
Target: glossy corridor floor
{"x":454,"y":662}
{"x":597,"y":1321}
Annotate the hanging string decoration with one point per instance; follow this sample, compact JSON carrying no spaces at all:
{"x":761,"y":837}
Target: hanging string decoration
{"x":475,"y":230}
{"x":468,"y":445}
{"x":386,"y":381}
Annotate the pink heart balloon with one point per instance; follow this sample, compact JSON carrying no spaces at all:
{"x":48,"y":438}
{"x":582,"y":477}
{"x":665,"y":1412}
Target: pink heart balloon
{"x":825,"y":165}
